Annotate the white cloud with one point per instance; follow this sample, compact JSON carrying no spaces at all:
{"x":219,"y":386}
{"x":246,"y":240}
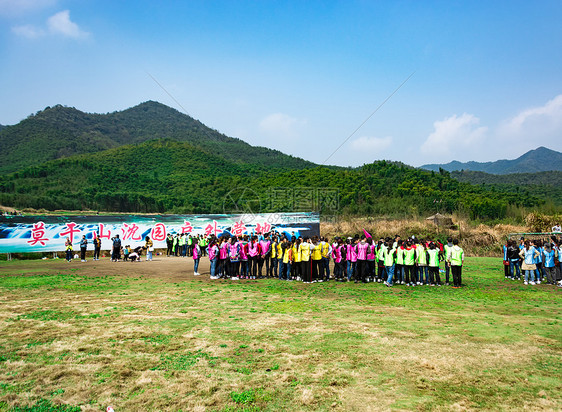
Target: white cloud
{"x":57,"y":24}
{"x":536,"y":122}
{"x":281,"y":125}
{"x":60,"y":24}
{"x":460,"y":136}
{"x":12,"y":8}
{"x":28,"y":31}
{"x":372,"y":144}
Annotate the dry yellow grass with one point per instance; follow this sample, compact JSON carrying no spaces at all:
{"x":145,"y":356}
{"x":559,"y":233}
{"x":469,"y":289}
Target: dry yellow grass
{"x":481,"y":240}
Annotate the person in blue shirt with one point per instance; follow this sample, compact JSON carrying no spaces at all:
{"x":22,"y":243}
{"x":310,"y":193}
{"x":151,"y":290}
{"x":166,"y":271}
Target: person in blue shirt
{"x":539,"y":273}
{"x":529,"y":255}
{"x":505,"y":260}
{"x":549,"y":254}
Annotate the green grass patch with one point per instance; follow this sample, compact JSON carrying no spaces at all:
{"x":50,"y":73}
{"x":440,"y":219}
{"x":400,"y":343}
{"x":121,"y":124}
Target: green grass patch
{"x":162,"y":344}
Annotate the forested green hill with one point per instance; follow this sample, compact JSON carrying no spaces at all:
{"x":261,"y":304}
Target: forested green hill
{"x":59,"y":132}
{"x":172,"y":176}
{"x":545,"y":185}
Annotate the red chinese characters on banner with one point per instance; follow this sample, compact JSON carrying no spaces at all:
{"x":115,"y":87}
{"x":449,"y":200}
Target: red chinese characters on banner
{"x":38,"y":234}
{"x":263,"y":229}
{"x":102,"y":235}
{"x":212,"y":229}
{"x":186,"y":228}
{"x":70,"y":230}
{"x":158,"y":232}
{"x":238,"y":228}
{"x":129,"y":232}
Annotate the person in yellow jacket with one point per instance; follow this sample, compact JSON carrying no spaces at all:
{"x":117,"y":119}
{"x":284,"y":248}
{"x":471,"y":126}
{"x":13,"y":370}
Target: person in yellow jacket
{"x":286,"y":259}
{"x":306,"y":246}
{"x":274,"y":261}
{"x":297,"y":260}
{"x":316,"y":255}
{"x":68,"y":248}
{"x":326,"y":251}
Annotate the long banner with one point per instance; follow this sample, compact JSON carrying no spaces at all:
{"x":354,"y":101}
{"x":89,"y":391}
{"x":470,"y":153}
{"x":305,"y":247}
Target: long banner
{"x":20,"y":234}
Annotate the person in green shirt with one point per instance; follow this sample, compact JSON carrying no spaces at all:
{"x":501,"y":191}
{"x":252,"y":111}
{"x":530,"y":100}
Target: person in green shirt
{"x":433,"y":264}
{"x":455,"y":258}
{"x":389,"y":256}
{"x":421,"y":263}
{"x":446,"y":249}
{"x":181,"y":245}
{"x":175,"y":245}
{"x":409,"y":262}
{"x":189,"y":248}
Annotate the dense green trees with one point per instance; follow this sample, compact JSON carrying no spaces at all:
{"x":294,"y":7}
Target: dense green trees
{"x":178,"y":177}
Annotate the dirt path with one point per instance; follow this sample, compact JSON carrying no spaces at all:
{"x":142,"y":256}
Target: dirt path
{"x":162,"y":267}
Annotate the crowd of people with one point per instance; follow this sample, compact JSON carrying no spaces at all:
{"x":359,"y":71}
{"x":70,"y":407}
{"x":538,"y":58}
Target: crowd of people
{"x":534,"y":261}
{"x":411,"y":262}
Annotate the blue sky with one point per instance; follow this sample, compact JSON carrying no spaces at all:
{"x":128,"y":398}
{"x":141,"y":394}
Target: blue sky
{"x":301,"y":76}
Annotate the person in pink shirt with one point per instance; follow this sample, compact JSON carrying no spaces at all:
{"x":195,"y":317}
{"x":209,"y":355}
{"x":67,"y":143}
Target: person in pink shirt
{"x":196,"y":257}
{"x":264,"y":256}
{"x":244,"y":274}
{"x":371,"y":260}
{"x":338,"y":255}
{"x":213,"y":251}
{"x":362,"y":249}
{"x":253,"y":254}
{"x":234,"y":256}
{"x":223,"y":258}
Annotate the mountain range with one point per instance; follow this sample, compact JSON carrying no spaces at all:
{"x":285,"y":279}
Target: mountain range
{"x":538,"y":160}
{"x":152,"y":158}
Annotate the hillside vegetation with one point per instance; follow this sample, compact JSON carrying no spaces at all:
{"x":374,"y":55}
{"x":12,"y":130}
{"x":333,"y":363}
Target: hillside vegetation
{"x":545,"y":185}
{"x":171,"y":176}
{"x":60,"y":132}
{"x":152,"y":158}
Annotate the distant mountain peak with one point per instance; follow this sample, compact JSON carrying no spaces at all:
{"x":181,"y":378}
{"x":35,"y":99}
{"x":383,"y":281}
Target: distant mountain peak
{"x":541,"y":159}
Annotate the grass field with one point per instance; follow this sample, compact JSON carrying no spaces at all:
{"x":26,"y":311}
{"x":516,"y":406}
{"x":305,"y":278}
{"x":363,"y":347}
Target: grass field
{"x":151,"y":337}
